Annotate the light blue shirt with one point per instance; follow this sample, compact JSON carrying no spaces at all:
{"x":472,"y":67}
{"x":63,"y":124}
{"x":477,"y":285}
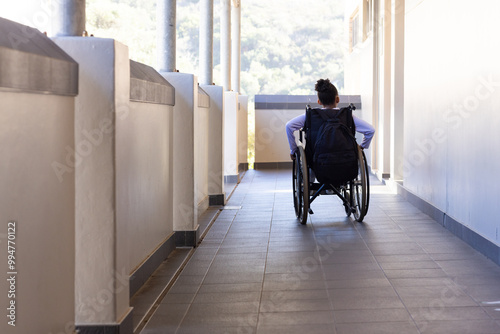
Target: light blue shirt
{"x":297,"y":123}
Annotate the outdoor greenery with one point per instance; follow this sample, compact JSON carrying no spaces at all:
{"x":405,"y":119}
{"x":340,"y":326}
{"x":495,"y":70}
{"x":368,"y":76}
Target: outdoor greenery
{"x":286,"y":45}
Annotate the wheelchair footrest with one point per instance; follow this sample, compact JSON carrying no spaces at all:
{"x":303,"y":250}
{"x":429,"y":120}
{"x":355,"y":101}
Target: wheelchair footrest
{"x":314,"y":187}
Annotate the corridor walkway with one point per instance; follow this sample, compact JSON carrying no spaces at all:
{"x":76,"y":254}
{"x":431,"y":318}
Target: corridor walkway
{"x":259,"y":271}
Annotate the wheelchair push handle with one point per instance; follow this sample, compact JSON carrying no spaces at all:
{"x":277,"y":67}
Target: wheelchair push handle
{"x":351,"y":106}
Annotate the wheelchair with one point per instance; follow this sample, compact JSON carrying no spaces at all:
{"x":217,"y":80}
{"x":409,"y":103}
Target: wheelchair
{"x":354,"y":194}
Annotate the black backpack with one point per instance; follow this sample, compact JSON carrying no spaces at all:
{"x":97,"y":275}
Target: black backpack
{"x":334,"y":150}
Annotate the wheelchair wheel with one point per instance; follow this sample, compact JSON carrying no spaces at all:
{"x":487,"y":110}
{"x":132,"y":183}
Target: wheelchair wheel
{"x":302,"y":186}
{"x":297,"y":200}
{"x":345,"y":193}
{"x":360,"y":188}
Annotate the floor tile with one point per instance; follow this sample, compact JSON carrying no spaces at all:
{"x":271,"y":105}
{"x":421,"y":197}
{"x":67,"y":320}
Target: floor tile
{"x":378,"y":328}
{"x":260,"y":271}
{"x":295,"y":318}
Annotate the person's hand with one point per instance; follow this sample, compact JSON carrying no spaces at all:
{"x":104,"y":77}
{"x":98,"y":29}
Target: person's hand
{"x":292,"y":156}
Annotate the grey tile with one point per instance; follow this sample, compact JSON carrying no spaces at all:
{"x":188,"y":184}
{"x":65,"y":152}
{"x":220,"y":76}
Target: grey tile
{"x":421,"y":281}
{"x":415,"y":273}
{"x":458,"y":326}
{"x":366,"y":302}
{"x":351,"y":267}
{"x":358,"y":283}
{"x":361,"y":274}
{"x":483,"y":293}
{"x":295,"y":318}
{"x":372,"y":315}
{"x":242,"y":307}
{"x":243,"y":250}
{"x":219,"y":320}
{"x":413,"y":301}
{"x":437,"y":312}
{"x":493,"y":312}
{"x":377,"y":328}
{"x":312,"y":274}
{"x":294,"y":285}
{"x":354,"y":293}
{"x":227,"y":297}
{"x":277,"y":296}
{"x":287,"y":305}
{"x":230,"y":287}
{"x":178,"y":298}
{"x":260,"y":271}
{"x":189,"y":279}
{"x":429,"y":264}
{"x":214,"y":329}
{"x":166,"y":319}
{"x":448,"y":291}
{"x":186,"y":288}
{"x":297,"y":329}
{"x":234,"y":277}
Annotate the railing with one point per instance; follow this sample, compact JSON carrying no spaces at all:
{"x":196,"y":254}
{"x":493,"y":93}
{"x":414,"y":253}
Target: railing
{"x":106,"y":174}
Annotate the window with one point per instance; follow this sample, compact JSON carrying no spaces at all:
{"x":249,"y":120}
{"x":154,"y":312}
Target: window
{"x":354,"y":30}
{"x":367,"y":17}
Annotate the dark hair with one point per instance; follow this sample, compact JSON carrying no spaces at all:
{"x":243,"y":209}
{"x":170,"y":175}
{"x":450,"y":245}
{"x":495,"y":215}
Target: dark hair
{"x":327,"y":92}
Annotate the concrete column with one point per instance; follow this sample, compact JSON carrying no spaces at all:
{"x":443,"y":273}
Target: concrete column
{"x":166,"y":32}
{"x":69,"y":19}
{"x":397,"y":89}
{"x":183,"y":177}
{"x":243,"y":133}
{"x":231,"y":113}
{"x":37,"y":201}
{"x":206,"y":42}
{"x":216,"y":147}
{"x":102,"y":293}
{"x":235,"y":45}
{"x":225,"y":43}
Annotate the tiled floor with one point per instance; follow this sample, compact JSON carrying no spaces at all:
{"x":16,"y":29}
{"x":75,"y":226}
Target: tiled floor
{"x":259,"y":271}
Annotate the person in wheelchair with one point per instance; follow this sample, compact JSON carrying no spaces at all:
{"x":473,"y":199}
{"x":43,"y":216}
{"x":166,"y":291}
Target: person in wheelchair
{"x":330,"y":154}
{"x":328,"y":98}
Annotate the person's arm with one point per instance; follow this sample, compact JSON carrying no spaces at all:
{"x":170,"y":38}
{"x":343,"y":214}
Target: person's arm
{"x":366,"y":129}
{"x":292,"y":126}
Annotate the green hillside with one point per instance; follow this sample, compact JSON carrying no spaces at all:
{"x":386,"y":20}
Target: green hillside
{"x":286,"y":44}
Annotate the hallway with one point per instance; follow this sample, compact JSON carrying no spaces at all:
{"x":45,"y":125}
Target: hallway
{"x":259,"y":271}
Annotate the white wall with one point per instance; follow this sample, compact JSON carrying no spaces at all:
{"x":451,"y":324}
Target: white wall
{"x":452,"y":97}
{"x":271,"y":143}
{"x":144,"y":183}
{"x":243,"y":129}
{"x":102,"y":258}
{"x":201,"y":143}
{"x":186,"y":105}
{"x":359,"y":76}
{"x":36,"y":134}
{"x":231,"y":133}
{"x":216,"y":140}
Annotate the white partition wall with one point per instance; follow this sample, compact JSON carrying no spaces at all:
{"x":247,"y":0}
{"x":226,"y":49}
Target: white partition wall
{"x":216,"y":145}
{"x":231,"y":112}
{"x":271,"y":144}
{"x":102,"y":261}
{"x":444,"y":101}
{"x":451,"y":135}
{"x":201,"y":144}
{"x":272,"y":112}
{"x":37,"y":182}
{"x":243,"y":133}
{"x":144,"y":172}
{"x":184,"y":206}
